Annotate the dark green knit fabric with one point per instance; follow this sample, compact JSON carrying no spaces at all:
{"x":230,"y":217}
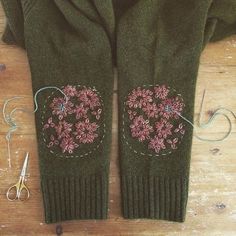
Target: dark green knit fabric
{"x":156,"y":46}
{"x":159,"y":43}
{"x":69,"y":43}
{"x":14,"y":31}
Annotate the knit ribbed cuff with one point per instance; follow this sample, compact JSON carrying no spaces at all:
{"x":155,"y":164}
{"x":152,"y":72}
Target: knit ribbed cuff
{"x":154,"y":197}
{"x":68,"y":198}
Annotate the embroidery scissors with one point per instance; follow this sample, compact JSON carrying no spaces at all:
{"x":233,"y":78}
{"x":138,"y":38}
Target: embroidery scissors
{"x":19,"y":191}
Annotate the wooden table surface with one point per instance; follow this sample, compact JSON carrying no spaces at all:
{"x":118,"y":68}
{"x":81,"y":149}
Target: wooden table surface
{"x":212,"y":194}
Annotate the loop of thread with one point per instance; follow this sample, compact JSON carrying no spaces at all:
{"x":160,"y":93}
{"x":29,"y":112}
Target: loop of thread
{"x":44,"y":88}
{"x":211,"y":119}
{"x":8,"y":118}
{"x":13,"y":127}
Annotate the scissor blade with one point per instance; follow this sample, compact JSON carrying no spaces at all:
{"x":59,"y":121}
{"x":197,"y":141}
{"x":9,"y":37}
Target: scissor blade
{"x":24,"y":168}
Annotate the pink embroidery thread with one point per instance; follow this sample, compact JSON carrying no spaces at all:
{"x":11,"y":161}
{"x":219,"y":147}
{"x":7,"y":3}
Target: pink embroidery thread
{"x":75,"y":122}
{"x":152,"y":117}
{"x":140,"y":129}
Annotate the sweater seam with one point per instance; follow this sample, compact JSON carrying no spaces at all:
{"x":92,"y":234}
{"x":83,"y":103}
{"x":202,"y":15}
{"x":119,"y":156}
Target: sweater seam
{"x":6,"y":8}
{"x":29,"y":14}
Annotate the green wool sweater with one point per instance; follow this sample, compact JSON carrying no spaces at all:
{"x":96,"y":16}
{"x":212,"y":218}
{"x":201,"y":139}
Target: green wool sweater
{"x":73,"y":47}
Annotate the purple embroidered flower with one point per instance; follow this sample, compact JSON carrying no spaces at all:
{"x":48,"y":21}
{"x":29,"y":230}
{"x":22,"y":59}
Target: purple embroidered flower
{"x":81,"y":111}
{"x":139,"y":98}
{"x":141,"y":129}
{"x":49,"y":124}
{"x":163,"y":128}
{"x":68,"y":145}
{"x":85,"y":131}
{"x":70,"y":91}
{"x":170,"y":108}
{"x":151,"y":110}
{"x":89,"y":98}
{"x":161,"y":91}
{"x":63,"y":129}
{"x":61,"y":107}
{"x":157,"y":144}
{"x":53,"y":141}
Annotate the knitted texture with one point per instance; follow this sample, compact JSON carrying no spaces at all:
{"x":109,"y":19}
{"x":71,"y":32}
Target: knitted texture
{"x":159,"y":44}
{"x":74,"y":132}
{"x":156,"y":46}
{"x":14,"y":30}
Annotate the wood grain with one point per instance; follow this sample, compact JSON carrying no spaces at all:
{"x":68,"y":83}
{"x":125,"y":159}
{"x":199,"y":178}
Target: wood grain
{"x":212,"y":194}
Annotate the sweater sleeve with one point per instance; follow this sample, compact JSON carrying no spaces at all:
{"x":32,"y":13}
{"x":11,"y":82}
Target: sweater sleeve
{"x":14,"y":30}
{"x":221,"y":20}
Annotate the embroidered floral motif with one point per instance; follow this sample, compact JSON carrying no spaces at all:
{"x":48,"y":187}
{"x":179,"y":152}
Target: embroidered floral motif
{"x":68,"y":145}
{"x":154,"y":116}
{"x":86,"y":131}
{"x":169,"y":108}
{"x":156,"y":144}
{"x":74,"y":120}
{"x":139,"y":98}
{"x":61,"y":108}
{"x":140,"y":129}
{"x":163,"y":128}
{"x":161,"y":92}
{"x":89,"y":98}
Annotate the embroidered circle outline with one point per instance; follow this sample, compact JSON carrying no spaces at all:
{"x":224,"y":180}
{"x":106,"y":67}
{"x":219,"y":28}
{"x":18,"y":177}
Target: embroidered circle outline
{"x":103,"y":125}
{"x":148,"y":128}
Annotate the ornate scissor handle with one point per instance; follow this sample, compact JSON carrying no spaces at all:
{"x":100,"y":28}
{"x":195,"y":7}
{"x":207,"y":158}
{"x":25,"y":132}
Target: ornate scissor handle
{"x":12,"y":191}
{"x":22,"y":188}
{"x":18,"y":190}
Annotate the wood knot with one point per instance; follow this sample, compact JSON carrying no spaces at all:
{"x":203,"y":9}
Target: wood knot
{"x":214,"y":151}
{"x":220,"y":206}
{"x":59,"y":230}
{"x":2,"y":67}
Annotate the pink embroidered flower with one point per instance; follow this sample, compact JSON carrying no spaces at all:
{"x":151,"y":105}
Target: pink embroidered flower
{"x":81,"y":111}
{"x":71,"y":119}
{"x":63,"y":129}
{"x":163,"y":128}
{"x":70,"y":91}
{"x":49,"y":124}
{"x":61,"y":107}
{"x":170,"y":108}
{"x":89,"y":98}
{"x":154,"y":115}
{"x":177,"y":105}
{"x":132,"y":114}
{"x":173,"y":142}
{"x":180,"y":129}
{"x":161,"y":91}
{"x":141,"y":129}
{"x":68,"y":145}
{"x":85,"y":131}
{"x":157,"y":144}
{"x":97,"y":113}
{"x":53,"y":141}
{"x":139,"y":98}
{"x":151,"y":110}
